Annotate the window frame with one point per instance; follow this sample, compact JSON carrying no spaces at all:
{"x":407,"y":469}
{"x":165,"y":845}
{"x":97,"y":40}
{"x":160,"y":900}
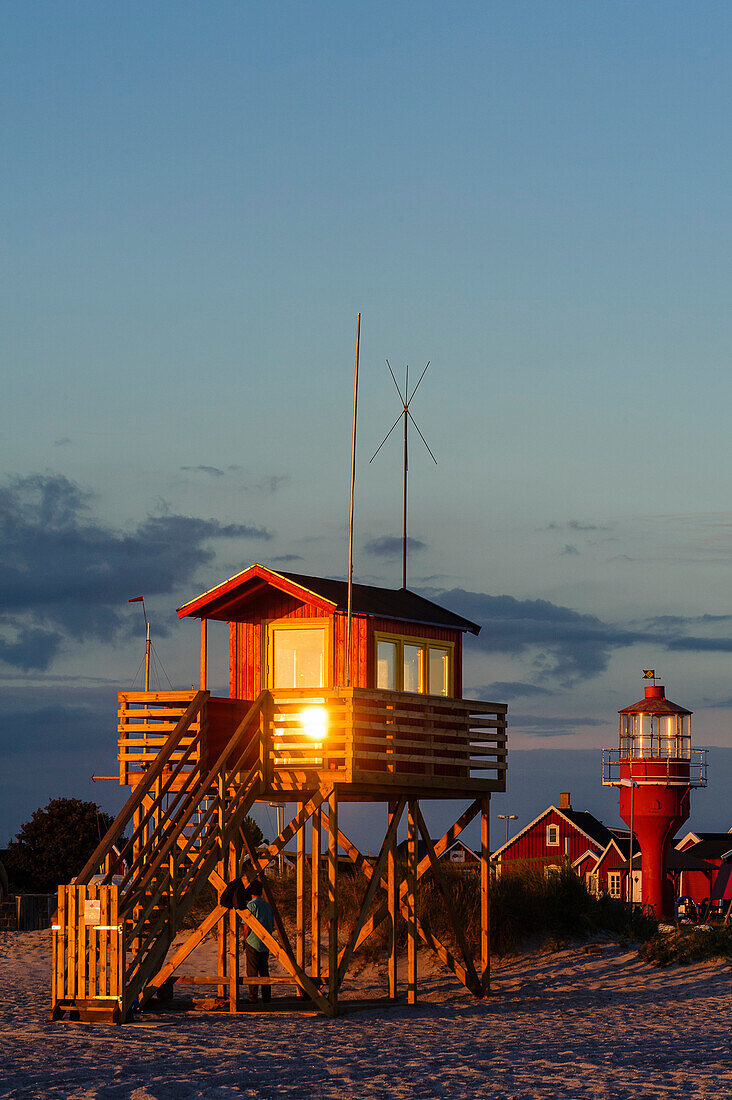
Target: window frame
{"x":615,"y":878}
{"x":550,"y":831}
{"x":271,"y":625}
{"x":425,"y":644}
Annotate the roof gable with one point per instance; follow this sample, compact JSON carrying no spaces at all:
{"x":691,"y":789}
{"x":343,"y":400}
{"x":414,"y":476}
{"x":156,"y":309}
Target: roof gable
{"x":229,"y":600}
{"x":580,"y":820}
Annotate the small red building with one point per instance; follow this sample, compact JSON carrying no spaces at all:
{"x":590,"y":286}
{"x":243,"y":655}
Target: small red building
{"x":559,"y":836}
{"x":711,"y":848}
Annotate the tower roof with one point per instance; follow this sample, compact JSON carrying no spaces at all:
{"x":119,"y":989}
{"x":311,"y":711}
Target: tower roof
{"x":655,"y":702}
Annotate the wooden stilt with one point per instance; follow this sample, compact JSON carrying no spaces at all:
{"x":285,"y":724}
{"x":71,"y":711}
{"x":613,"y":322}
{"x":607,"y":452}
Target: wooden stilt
{"x":233,"y":937}
{"x":300,"y":893}
{"x":485,"y":901}
{"x":317,"y":820}
{"x":392,"y":903}
{"x":412,"y":905}
{"x":333,"y":901}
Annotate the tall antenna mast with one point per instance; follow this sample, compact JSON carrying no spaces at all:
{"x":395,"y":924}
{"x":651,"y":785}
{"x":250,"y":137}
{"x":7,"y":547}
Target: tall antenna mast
{"x":405,"y":415}
{"x":353,"y":487}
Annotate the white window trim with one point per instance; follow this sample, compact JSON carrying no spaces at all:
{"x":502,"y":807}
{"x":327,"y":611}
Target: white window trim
{"x":552,"y":830}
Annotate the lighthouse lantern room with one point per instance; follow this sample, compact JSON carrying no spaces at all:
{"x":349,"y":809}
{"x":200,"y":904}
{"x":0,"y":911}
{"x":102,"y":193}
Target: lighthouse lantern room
{"x":655,"y":768}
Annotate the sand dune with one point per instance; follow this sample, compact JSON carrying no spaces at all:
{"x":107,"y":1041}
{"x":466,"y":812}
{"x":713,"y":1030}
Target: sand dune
{"x":558,"y":1025}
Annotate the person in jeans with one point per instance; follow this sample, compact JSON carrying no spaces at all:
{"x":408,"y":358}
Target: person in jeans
{"x":257,"y":952}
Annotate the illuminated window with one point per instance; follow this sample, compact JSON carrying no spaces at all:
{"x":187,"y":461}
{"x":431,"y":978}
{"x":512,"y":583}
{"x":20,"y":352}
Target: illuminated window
{"x":552,"y":836}
{"x":386,"y":666}
{"x":297,"y":656}
{"x":413,"y":668}
{"x":613,"y":884}
{"x":415,"y":665}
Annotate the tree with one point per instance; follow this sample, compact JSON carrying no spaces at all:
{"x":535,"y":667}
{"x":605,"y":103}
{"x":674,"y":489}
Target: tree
{"x":55,"y":844}
{"x":254,"y":833}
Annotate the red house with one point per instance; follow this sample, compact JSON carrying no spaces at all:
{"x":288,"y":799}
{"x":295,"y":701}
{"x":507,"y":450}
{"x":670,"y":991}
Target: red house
{"x":711,"y":848}
{"x":557,"y":837}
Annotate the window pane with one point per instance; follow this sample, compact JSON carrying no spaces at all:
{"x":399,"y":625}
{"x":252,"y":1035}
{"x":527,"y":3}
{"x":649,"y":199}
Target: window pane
{"x":439,"y":679}
{"x":299,"y":658}
{"x":386,"y":655}
{"x":413,"y":668}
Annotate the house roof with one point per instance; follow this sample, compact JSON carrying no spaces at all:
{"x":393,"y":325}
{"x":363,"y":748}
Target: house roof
{"x":582,"y":820}
{"x":229,"y":600}
{"x":674,"y":861}
{"x":590,"y":826}
{"x":709,"y":845}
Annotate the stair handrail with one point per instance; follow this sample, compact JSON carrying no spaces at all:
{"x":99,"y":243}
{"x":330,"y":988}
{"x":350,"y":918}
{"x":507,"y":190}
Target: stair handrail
{"x":135,"y":800}
{"x":185,"y":812}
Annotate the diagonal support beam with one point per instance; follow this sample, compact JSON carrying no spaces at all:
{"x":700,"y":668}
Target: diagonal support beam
{"x":287,"y":962}
{"x":294,"y":827}
{"x":431,"y":941}
{"x":268,"y":895}
{"x":188,"y":947}
{"x":375,"y":879}
{"x":476,"y":986}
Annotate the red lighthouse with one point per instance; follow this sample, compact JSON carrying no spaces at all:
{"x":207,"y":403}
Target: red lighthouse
{"x":655,"y":768}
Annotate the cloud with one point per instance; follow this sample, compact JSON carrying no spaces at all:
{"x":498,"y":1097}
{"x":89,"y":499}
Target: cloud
{"x":265,"y":486}
{"x":212,"y":471}
{"x":66,"y":575}
{"x":575,"y":525}
{"x":269,"y":485}
{"x":63,"y":442}
{"x":390,"y":546}
{"x":564,"y":644}
{"x":505,"y":690}
{"x":569,"y":549}
{"x":286,"y":559}
{"x":543,"y":726}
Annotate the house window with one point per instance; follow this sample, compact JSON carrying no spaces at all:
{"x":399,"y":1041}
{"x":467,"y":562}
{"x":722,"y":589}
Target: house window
{"x":552,"y":836}
{"x":386,"y":665}
{"x":415,"y":665}
{"x":613,"y":884}
{"x":297,"y":656}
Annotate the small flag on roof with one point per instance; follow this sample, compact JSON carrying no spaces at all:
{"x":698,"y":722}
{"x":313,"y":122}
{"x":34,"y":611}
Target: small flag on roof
{"x":137,"y":599}
{"x":649,"y":674}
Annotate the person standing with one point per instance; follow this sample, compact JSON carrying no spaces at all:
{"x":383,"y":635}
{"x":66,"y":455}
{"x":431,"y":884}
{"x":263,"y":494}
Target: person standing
{"x":258,"y":952}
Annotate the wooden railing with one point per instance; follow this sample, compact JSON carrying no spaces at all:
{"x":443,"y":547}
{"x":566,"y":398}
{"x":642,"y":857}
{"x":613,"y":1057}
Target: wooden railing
{"x":146,"y":720}
{"x":391,"y":737}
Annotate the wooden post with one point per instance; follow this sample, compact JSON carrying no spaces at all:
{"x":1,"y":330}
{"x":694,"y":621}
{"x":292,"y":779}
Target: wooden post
{"x":222,"y":870}
{"x":204,"y":653}
{"x":300,"y":895}
{"x":412,"y":906}
{"x":333,"y":901}
{"x":233,"y":923}
{"x":317,"y":822}
{"x":393,"y":903}
{"x":485,"y":900}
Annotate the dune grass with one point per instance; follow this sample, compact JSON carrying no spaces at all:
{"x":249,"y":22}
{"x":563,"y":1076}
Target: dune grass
{"x":527,"y":906}
{"x":688,"y":945}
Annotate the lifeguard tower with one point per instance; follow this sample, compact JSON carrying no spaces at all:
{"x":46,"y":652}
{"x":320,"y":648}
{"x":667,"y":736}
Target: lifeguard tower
{"x":289,"y":732}
{"x":655,"y":768}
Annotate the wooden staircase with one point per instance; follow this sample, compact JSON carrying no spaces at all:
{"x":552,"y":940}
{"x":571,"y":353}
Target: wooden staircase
{"x":115,"y":924}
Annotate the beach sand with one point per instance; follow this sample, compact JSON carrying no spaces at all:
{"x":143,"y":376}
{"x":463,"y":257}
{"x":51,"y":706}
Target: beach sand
{"x":566,"y":1024}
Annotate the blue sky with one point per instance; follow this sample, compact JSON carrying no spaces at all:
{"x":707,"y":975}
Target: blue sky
{"x":198,"y":199}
